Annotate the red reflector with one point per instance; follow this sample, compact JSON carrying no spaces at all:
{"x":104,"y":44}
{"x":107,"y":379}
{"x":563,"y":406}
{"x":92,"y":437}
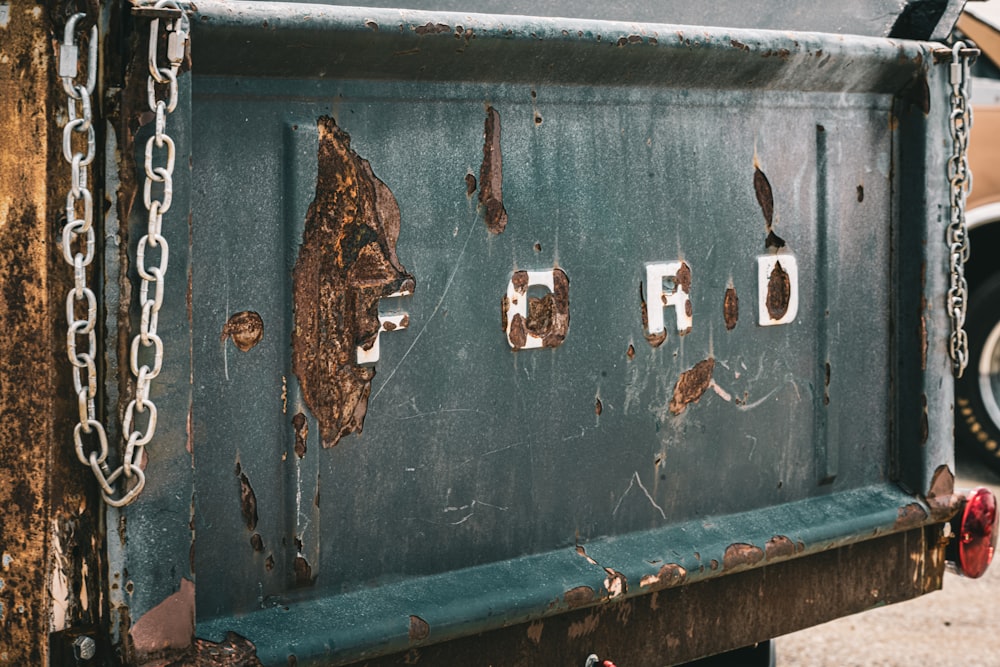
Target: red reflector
{"x":976,"y":532}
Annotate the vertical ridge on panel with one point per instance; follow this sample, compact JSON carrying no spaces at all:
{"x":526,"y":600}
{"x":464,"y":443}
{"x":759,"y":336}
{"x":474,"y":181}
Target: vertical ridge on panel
{"x":303,"y":444}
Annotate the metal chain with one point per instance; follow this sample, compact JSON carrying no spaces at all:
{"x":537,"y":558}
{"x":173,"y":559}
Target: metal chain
{"x":78,"y":247}
{"x":960,"y":180}
{"x":147,"y":345}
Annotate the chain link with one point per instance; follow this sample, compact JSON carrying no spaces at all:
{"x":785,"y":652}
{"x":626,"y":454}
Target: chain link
{"x":78,"y":247}
{"x":960,"y":183}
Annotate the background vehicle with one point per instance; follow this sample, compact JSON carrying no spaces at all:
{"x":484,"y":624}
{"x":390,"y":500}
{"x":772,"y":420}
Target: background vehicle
{"x":977,"y":416}
{"x":720,"y":384}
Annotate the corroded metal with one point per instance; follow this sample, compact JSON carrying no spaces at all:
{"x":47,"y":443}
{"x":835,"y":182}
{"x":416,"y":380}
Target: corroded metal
{"x":681,"y":623}
{"x":50,"y":572}
{"x":346,"y":264}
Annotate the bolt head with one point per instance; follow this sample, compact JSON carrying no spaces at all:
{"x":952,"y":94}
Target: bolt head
{"x":84,"y":647}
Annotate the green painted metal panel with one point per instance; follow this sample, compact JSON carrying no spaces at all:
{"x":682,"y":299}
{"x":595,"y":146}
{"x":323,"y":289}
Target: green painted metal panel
{"x":798,"y":174}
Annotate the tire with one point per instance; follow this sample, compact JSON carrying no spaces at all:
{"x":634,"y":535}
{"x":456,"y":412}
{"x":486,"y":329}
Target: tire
{"x":977,"y":392}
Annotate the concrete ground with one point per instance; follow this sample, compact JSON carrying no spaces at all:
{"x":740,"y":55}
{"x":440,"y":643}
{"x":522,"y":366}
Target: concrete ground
{"x":958,"y":625}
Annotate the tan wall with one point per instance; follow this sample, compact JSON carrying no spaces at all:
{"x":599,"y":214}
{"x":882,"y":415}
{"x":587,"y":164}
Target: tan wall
{"x":984,"y":156}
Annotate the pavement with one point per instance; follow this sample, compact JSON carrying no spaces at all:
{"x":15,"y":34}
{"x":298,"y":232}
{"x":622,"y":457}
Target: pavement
{"x":957,"y":625}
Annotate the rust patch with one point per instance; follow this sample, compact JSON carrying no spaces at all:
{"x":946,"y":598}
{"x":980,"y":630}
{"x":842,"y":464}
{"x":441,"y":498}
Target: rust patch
{"x":257,"y":542}
{"x":579,"y":596}
{"x":419,"y":630}
{"x":683,"y":278}
{"x":741,"y":555}
{"x":233,"y":651}
{"x":765,"y":198}
{"x":301,"y":426}
{"x":779,"y":546}
{"x":540,"y":314}
{"x":432,"y":28}
{"x":669,"y":575}
{"x":910,"y":516}
{"x":739,"y":45}
{"x":598,"y":407}
{"x":245,"y":328}
{"x":631,"y":39}
{"x":630,"y":352}
{"x":168,"y":625}
{"x":269,"y":563}
{"x":535,"y":632}
{"x":470,"y":185}
{"x":303,"y":572}
{"x":346,"y":263}
{"x":584,"y":627}
{"x":941,"y":496}
{"x":491,"y":175}
{"x":518,"y":332}
{"x":731,"y":308}
{"x":548,"y":316}
{"x":779,"y":292}
{"x":248,"y":500}
{"x":691,"y":385}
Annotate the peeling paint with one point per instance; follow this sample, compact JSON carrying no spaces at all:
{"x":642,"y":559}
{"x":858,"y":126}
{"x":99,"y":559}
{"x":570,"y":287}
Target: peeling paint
{"x":245,"y":328}
{"x":419,"y":629}
{"x":910,"y":516}
{"x":941,"y":497}
{"x":233,"y":651}
{"x":779,"y":292}
{"x":588,"y":625}
{"x":432,"y":28}
{"x":168,"y":625}
{"x":579,"y":596}
{"x":668,"y":576}
{"x":691,"y":385}
{"x":303,"y":572}
{"x":534,"y":632}
{"x":615,"y":584}
{"x":779,"y":546}
{"x":765,"y":198}
{"x":346,"y":263}
{"x":491,"y":175}
{"x":301,"y":426}
{"x":731,"y":308}
{"x":248,"y":499}
{"x":741,"y":555}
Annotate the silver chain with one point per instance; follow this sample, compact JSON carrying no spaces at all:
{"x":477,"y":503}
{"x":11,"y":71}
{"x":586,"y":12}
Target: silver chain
{"x":78,"y":245}
{"x":147,"y":347}
{"x":960,"y":183}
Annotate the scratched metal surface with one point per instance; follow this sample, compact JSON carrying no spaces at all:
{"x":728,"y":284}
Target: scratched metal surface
{"x":489,"y":483}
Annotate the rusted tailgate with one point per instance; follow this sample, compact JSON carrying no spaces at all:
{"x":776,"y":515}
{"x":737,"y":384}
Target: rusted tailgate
{"x":496,"y":317}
